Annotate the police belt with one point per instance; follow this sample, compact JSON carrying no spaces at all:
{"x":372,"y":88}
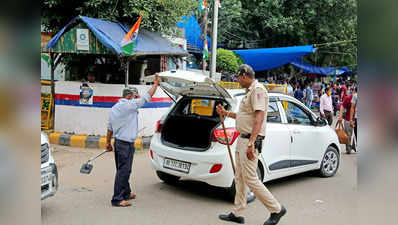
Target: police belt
{"x":258,"y":144}
{"x":249,"y":135}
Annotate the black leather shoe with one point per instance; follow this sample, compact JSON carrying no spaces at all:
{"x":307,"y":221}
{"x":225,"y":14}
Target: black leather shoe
{"x":275,"y":217}
{"x":232,"y":218}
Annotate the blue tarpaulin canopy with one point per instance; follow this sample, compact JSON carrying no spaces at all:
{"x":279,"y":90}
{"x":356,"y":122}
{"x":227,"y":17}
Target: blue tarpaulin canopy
{"x":323,"y":71}
{"x":192,"y":32}
{"x":110,"y":35}
{"x":269,"y":58}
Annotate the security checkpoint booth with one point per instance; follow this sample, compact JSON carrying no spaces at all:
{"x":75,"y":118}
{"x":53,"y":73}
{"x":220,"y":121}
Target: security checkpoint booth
{"x":92,"y":46}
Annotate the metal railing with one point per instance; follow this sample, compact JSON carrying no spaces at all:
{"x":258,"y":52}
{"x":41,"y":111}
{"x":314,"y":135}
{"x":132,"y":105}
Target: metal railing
{"x":46,"y":106}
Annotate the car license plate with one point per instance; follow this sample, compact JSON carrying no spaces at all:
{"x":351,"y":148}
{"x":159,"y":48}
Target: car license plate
{"x":46,"y":178}
{"x":176,"y":165}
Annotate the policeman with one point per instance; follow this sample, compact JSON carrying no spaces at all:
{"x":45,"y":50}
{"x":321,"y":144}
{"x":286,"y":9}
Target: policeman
{"x":251,"y":124}
{"x":123,"y":125}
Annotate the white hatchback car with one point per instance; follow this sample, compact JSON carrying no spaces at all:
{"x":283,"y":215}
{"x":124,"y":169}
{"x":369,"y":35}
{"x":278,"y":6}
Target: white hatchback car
{"x":189,"y":141}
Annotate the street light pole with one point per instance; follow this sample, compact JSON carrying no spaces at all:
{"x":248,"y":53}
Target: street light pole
{"x":205,"y":47}
{"x":214,"y":39}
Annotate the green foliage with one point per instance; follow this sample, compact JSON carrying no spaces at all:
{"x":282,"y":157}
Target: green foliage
{"x":280,"y":23}
{"x":158,"y":15}
{"x":227,"y":60}
{"x":240,"y":60}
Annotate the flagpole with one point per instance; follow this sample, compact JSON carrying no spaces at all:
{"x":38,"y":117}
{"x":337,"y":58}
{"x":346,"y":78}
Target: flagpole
{"x":214,"y":39}
{"x":127,"y":72}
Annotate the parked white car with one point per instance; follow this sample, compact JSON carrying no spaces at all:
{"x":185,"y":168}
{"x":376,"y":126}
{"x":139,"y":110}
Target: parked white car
{"x":189,"y":142}
{"x":49,"y":172}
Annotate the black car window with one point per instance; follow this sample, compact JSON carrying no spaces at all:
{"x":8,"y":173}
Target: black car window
{"x":296,"y":115}
{"x":273,"y":114}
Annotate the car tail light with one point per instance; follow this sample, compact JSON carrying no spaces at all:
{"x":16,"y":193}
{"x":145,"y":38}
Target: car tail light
{"x":219,"y":135}
{"x":215,"y":168}
{"x":151,"y":153}
{"x":159,"y":126}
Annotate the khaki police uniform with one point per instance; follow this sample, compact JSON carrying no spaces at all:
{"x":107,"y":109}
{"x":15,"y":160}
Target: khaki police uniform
{"x":256,"y":99}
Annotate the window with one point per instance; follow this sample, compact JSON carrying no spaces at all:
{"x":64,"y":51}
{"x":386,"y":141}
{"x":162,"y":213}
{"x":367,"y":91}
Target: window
{"x":295,"y":115}
{"x":198,"y":107}
{"x":273,"y":114}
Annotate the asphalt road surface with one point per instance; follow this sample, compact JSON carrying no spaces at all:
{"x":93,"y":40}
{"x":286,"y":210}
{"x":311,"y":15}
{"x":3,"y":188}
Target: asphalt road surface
{"x":85,"y":199}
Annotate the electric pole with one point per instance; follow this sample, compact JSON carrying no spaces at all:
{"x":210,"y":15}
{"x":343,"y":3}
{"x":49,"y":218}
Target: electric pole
{"x":205,"y":48}
{"x":214,"y":39}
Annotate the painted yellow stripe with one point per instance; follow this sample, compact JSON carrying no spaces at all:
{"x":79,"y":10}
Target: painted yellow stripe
{"x":54,"y":138}
{"x":138,"y":144}
{"x":78,"y":141}
{"x":102,"y":142}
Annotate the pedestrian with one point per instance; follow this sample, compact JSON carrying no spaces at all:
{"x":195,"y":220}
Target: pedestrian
{"x":299,"y":94}
{"x":326,"y":106}
{"x":309,"y":94}
{"x":343,"y":90}
{"x":251,"y":124}
{"x":344,"y":115}
{"x":123,"y":126}
{"x":354,"y":113}
{"x":335,"y":98}
{"x":289,"y":88}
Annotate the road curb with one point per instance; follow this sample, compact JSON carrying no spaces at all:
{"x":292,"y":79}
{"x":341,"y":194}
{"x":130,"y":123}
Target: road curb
{"x":92,"y":141}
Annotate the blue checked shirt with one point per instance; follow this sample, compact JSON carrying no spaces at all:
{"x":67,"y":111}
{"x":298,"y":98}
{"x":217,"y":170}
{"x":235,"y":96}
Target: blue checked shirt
{"x":123,"y":118}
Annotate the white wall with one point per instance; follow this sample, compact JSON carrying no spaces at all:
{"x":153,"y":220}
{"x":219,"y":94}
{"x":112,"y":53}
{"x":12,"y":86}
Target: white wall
{"x":93,"y":120}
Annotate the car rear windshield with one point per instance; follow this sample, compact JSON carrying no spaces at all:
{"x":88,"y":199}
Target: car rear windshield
{"x":198,"y":106}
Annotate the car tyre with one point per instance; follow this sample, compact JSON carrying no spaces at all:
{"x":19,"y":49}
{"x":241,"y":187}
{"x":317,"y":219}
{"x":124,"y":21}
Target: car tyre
{"x":330,"y":163}
{"x":167,"y":178}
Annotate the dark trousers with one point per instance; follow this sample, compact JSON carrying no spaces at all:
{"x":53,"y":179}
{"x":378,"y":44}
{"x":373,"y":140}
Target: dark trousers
{"x":124,"y":153}
{"x":329,"y":117}
{"x":355,"y":130}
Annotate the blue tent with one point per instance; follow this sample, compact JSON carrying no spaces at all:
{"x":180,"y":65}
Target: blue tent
{"x":323,"y":71}
{"x":269,"y":58}
{"x":192,"y":32}
{"x":110,"y":35}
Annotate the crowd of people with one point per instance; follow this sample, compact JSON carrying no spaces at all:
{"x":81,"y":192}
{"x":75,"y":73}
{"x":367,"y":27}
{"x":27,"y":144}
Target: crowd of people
{"x":335,"y":99}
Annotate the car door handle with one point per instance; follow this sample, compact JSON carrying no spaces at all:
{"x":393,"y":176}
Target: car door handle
{"x":296,"y":132}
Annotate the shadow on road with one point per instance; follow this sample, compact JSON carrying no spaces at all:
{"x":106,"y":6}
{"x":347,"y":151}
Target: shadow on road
{"x":201,"y":190}
{"x":196,"y":189}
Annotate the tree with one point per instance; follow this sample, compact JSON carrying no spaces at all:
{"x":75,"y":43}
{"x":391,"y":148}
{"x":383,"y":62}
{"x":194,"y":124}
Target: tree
{"x":280,"y":23}
{"x":227,"y":60}
{"x":158,"y":15}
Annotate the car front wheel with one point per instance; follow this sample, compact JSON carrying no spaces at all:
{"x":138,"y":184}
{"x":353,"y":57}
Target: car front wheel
{"x":330,"y":162}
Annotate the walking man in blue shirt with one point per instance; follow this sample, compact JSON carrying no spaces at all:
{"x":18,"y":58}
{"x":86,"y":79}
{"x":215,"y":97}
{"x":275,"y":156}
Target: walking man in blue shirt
{"x":123,"y":126}
{"x":309,"y":94}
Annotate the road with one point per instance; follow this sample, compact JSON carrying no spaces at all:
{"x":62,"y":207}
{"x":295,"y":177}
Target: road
{"x":85,"y":199}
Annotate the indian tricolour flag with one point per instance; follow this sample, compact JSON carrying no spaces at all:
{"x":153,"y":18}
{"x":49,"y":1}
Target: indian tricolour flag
{"x":128,"y":42}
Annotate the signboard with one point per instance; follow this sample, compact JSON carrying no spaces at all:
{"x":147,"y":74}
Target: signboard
{"x":83,"y":41}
